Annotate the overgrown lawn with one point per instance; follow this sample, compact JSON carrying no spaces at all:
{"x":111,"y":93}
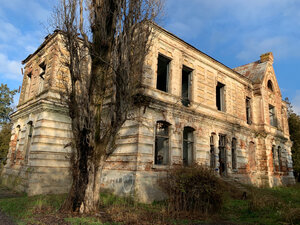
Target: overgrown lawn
{"x":280,"y":205}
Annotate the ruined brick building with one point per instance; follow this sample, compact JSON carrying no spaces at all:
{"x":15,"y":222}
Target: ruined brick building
{"x":232,"y":120}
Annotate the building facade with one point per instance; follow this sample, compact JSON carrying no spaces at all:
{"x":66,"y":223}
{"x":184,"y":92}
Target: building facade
{"x":232,"y":120}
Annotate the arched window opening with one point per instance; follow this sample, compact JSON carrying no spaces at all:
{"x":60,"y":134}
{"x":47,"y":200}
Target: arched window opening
{"x":222,"y":155}
{"x":279,"y":158}
{"x":212,"y":152}
{"x":162,"y":143}
{"x":29,"y":138}
{"x":273,"y":157}
{"x":187,"y":146}
{"x":233,"y":154}
{"x":270,"y":85}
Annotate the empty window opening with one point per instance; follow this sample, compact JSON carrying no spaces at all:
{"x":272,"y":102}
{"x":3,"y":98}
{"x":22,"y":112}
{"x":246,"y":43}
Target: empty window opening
{"x":162,"y":143}
{"x":220,"y":98}
{"x":43,"y":69}
{"x":29,"y":138}
{"x":273,"y":157}
{"x":279,"y":158}
{"x":270,"y":85}
{"x":248,"y":110}
{"x":42,"y":76}
{"x":233,"y":154}
{"x":188,"y":142}
{"x":222,"y":154}
{"x":212,"y":153}
{"x":186,"y":86}
{"x":28,"y":86}
{"x":162,"y":73}
{"x":272,"y":115}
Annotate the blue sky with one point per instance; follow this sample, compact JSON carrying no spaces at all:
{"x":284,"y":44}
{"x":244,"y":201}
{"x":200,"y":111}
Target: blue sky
{"x":235,"y":32}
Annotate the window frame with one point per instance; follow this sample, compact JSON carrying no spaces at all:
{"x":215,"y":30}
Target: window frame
{"x":190,"y":143}
{"x":167,"y":76}
{"x":158,"y":136}
{"x":186,"y":100}
{"x":220,"y":92}
{"x":234,"y":153}
{"x":212,"y":152}
{"x":248,"y":111}
{"x":272,"y":115}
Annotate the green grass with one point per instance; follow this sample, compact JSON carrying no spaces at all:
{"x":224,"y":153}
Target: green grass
{"x":86,"y":221}
{"x":23,"y":208}
{"x":269,"y":206}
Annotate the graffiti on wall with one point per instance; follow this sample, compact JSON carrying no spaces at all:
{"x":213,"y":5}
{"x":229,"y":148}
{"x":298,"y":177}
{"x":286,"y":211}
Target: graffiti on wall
{"x":124,"y":183}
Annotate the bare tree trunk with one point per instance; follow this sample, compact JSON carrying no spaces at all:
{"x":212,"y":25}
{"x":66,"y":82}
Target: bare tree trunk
{"x":115,"y":55}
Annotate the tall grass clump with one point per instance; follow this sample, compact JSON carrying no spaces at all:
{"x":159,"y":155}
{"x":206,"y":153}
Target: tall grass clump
{"x":193,"y":189}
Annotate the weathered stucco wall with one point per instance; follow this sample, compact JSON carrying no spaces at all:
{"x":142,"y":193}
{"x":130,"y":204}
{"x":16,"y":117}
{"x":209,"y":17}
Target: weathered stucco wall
{"x":42,"y":165}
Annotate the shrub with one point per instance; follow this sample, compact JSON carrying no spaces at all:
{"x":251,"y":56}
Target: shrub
{"x":193,"y":189}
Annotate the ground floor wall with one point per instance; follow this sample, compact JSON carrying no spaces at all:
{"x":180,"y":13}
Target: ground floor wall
{"x":38,"y":160}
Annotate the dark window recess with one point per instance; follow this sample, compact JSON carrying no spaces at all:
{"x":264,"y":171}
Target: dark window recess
{"x":222,"y":154}
{"x":233,"y":154}
{"x":212,"y":153}
{"x":248,"y":110}
{"x":220,"y":98}
{"x":273,"y":157}
{"x":279,"y":158}
{"x":43,"y":69}
{"x":186,"y":86}
{"x":188,"y":142}
{"x":162,"y":73}
{"x":270,"y":85}
{"x":272,"y":115}
{"x":29,"y":75}
{"x":162,"y":143}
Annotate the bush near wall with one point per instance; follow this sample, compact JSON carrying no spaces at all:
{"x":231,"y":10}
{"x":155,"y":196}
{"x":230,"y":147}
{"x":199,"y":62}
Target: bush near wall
{"x":193,"y":189}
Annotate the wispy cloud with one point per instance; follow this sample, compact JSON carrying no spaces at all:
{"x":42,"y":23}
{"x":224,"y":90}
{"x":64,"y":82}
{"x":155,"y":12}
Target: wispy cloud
{"x":20,"y":34}
{"x":296,"y":102}
{"x":10,"y":69}
{"x":252,"y":27}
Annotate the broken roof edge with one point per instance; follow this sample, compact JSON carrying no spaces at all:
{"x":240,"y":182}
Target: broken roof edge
{"x":203,"y":53}
{"x":48,"y":38}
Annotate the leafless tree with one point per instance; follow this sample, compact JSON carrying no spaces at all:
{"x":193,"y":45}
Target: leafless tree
{"x":106,"y":43}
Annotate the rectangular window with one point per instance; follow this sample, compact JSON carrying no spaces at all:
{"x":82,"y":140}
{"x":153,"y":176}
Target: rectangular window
{"x":248,"y":110}
{"x":162,"y":143}
{"x":220,"y":98}
{"x":222,"y":154}
{"x":279,"y":158}
{"x":273,"y":157}
{"x":42,"y":76}
{"x":188,"y":143}
{"x":163,"y":73}
{"x":233,"y":154}
{"x":212,"y":153}
{"x":28,"y":85}
{"x":186,"y":86}
{"x":272,"y":115}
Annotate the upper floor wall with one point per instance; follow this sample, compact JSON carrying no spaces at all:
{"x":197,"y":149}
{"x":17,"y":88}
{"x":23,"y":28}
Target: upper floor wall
{"x":177,"y":73}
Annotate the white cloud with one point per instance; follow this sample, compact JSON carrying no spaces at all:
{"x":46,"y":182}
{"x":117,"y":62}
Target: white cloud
{"x":251,"y":27}
{"x":10,"y":69}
